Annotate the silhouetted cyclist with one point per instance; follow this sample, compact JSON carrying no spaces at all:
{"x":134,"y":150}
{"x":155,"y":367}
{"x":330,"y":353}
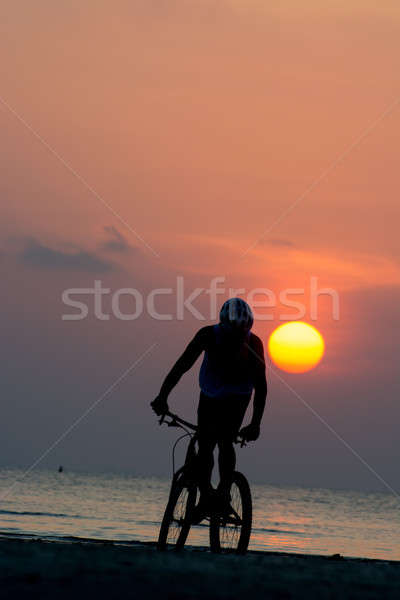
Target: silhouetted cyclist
{"x":233,"y":366}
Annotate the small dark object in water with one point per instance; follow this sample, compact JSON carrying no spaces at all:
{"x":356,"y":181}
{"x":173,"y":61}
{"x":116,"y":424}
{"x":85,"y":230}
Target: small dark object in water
{"x":336,"y":557}
{"x":60,"y":469}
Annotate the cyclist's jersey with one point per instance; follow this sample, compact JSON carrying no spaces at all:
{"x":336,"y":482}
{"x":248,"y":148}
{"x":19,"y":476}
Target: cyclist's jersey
{"x":229,"y":368}
{"x":226,"y":369}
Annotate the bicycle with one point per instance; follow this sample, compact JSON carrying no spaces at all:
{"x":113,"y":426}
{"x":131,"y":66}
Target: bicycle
{"x":229,"y":531}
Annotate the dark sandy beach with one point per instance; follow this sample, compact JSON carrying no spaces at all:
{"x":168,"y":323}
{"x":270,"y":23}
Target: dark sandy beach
{"x":83,"y":569}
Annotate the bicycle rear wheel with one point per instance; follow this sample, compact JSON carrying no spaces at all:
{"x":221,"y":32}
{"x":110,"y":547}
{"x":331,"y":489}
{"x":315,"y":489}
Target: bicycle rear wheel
{"x":230,"y":532}
{"x":177,"y":518}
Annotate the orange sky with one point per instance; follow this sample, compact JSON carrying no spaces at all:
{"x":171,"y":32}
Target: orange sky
{"x":212,"y":121}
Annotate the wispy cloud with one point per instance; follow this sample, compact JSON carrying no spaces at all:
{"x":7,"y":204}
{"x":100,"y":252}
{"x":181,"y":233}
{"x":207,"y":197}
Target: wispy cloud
{"x":116,"y":242}
{"x":36,"y":254}
{"x":277,"y":242}
{"x":209,"y":255}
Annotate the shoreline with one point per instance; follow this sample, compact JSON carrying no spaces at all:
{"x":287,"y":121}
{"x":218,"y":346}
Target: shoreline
{"x":79,"y":566}
{"x":138,"y":544}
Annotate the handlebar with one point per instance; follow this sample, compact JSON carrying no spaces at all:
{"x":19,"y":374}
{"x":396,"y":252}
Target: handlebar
{"x":178,"y":422}
{"x":175,"y":421}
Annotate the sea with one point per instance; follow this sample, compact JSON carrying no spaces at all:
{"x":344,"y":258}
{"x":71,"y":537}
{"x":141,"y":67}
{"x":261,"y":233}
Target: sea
{"x":124,"y":508}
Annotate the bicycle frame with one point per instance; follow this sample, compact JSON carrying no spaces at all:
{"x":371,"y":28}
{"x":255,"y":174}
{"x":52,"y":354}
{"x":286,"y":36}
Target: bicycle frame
{"x":191,"y":453}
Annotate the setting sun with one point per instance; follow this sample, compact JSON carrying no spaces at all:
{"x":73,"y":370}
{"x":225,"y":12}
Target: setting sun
{"x":296,"y":347}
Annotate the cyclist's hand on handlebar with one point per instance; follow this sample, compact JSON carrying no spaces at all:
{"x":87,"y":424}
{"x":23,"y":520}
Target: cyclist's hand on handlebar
{"x":250,"y":433}
{"x":160,"y":406}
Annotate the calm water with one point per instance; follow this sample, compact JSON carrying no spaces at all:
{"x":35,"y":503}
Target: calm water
{"x":117,"y":507}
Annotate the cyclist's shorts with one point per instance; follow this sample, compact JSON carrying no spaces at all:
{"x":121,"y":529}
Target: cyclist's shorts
{"x":221,"y":418}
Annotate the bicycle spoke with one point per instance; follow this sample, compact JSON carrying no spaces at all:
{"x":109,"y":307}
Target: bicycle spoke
{"x":178,"y":517}
{"x":230,"y":527}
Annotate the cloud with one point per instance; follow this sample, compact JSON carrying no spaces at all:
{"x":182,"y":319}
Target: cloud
{"x":116,"y":241}
{"x":38,"y":255}
{"x":278,"y":242}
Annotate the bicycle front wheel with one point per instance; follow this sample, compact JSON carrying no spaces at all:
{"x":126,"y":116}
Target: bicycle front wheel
{"x":230,"y":531}
{"x":177,"y":519}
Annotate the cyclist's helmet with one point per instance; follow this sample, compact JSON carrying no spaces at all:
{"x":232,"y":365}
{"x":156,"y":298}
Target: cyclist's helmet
{"x":236,"y":314}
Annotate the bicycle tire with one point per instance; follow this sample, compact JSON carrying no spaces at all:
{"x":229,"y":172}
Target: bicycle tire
{"x":232,"y":533}
{"x":177,"y":518}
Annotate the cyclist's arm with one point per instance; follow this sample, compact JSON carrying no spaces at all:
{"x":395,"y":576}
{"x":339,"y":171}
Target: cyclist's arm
{"x":184,"y":362}
{"x":260,"y":383}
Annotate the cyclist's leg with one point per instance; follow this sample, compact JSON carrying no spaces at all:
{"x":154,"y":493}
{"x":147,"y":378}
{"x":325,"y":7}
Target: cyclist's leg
{"x":226,"y":463}
{"x":206,"y":464}
{"x":234,"y":409}
{"x":207,"y":440}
